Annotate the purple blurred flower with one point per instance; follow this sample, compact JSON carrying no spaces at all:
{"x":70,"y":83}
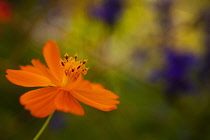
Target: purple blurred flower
{"x":176,"y":72}
{"x":58,"y":122}
{"x":178,"y":64}
{"x":109,"y":11}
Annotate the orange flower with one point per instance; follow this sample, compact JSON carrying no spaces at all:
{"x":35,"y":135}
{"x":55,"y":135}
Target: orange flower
{"x":62,"y":84}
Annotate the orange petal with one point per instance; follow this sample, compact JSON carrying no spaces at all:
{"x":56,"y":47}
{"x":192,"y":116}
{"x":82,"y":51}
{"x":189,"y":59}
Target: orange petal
{"x":67,"y":103}
{"x":30,"y":68}
{"x":52,"y":57}
{"x":40,"y":102}
{"x":80,"y":83}
{"x":27,"y":79}
{"x":45,"y":71}
{"x":97,"y":97}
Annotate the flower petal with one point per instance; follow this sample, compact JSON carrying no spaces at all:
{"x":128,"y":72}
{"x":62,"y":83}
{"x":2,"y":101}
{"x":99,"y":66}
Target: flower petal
{"x":80,"y":83}
{"x":27,"y":79}
{"x":97,"y":97}
{"x":52,"y":57}
{"x":45,"y":71}
{"x":30,"y":68}
{"x":40,"y":102}
{"x":67,"y":103}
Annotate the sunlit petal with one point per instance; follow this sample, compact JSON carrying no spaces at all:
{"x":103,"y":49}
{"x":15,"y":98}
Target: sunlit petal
{"x":30,"y":68}
{"x":97,"y":97}
{"x":27,"y":79}
{"x":40,"y":102}
{"x":45,"y":71}
{"x":52,"y":57}
{"x":67,"y":103}
{"x":80,"y":83}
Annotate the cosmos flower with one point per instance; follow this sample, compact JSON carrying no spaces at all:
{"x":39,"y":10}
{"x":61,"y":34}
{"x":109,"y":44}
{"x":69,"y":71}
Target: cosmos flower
{"x":62,"y":85}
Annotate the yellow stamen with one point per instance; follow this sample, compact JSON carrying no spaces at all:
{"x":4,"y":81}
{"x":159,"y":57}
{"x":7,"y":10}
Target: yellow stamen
{"x":85,"y":61}
{"x":67,"y":57}
{"x":62,"y":63}
{"x":75,"y":57}
{"x":72,"y":68}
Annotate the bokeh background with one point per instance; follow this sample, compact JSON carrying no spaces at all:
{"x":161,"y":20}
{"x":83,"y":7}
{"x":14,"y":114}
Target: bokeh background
{"x":154,"y":54}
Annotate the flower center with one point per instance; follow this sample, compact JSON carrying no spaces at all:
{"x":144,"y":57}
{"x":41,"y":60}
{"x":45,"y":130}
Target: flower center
{"x":72,"y":68}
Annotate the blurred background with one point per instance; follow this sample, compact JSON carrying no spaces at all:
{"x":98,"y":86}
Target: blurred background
{"x":154,"y":54}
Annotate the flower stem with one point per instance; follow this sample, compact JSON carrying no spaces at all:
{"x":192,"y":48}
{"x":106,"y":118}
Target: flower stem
{"x":43,"y":127}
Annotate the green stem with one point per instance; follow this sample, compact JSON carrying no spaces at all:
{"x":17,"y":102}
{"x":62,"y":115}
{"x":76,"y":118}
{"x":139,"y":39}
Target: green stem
{"x":43,"y":127}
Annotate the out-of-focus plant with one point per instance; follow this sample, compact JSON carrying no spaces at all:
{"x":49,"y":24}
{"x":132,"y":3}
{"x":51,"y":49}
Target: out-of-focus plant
{"x":5,"y":12}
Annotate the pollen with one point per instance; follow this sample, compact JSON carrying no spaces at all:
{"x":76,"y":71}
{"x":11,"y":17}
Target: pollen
{"x":85,"y":61}
{"x":73,"y":68}
{"x":75,"y":57}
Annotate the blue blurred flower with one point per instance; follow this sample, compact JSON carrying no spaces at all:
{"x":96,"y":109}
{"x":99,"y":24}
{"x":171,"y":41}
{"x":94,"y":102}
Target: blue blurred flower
{"x":176,"y":72}
{"x":58,"y":122}
{"x":109,"y":11}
